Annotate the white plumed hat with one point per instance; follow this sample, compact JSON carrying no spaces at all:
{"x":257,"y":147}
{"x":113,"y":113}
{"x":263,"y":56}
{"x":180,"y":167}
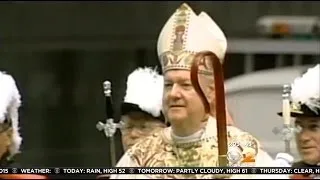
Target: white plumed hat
{"x":305,"y":93}
{"x":144,"y":92}
{"x":9,"y":104}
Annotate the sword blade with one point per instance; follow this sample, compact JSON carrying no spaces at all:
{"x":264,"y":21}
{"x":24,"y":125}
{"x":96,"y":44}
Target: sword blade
{"x":112,"y":151}
{"x":287,"y":146}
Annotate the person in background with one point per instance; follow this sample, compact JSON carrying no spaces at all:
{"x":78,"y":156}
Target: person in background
{"x":141,"y":113}
{"x":305,"y":109}
{"x":10,"y":138}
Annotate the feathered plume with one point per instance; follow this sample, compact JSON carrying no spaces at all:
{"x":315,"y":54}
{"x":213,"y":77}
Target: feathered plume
{"x":9,"y":104}
{"x":305,"y":89}
{"x":145,"y":88}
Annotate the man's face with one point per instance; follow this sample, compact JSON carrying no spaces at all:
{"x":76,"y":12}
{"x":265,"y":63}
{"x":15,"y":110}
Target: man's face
{"x":308,"y":140}
{"x":138,"y":125}
{"x":5,"y":137}
{"x":180,"y":101}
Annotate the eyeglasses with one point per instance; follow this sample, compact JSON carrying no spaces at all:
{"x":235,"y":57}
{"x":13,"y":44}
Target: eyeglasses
{"x":142,"y":128}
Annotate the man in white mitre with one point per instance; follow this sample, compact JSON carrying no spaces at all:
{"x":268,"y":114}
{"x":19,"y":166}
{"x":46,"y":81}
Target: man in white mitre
{"x":191,"y":140}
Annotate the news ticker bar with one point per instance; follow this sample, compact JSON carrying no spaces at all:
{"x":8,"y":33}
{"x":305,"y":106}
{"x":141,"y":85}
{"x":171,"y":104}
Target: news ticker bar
{"x":160,"y":170}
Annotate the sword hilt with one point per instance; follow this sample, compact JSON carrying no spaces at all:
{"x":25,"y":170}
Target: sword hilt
{"x":107,"y":88}
{"x":286,"y":104}
{"x":108,"y":100}
{"x":286,"y":132}
{"x":286,"y":91}
{"x":109,"y":127}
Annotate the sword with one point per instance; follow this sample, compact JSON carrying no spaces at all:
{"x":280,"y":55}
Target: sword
{"x":109,"y":127}
{"x":286,"y":131}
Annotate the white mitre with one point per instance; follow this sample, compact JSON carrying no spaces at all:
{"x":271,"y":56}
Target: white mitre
{"x":219,"y":37}
{"x":186,"y":34}
{"x":9,"y":104}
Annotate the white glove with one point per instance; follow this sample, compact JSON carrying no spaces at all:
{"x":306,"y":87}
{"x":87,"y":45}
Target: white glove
{"x":284,"y":160}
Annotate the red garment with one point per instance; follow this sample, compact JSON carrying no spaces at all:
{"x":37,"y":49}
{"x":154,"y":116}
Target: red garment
{"x":22,"y":176}
{"x":299,"y":176}
{"x":104,"y":176}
